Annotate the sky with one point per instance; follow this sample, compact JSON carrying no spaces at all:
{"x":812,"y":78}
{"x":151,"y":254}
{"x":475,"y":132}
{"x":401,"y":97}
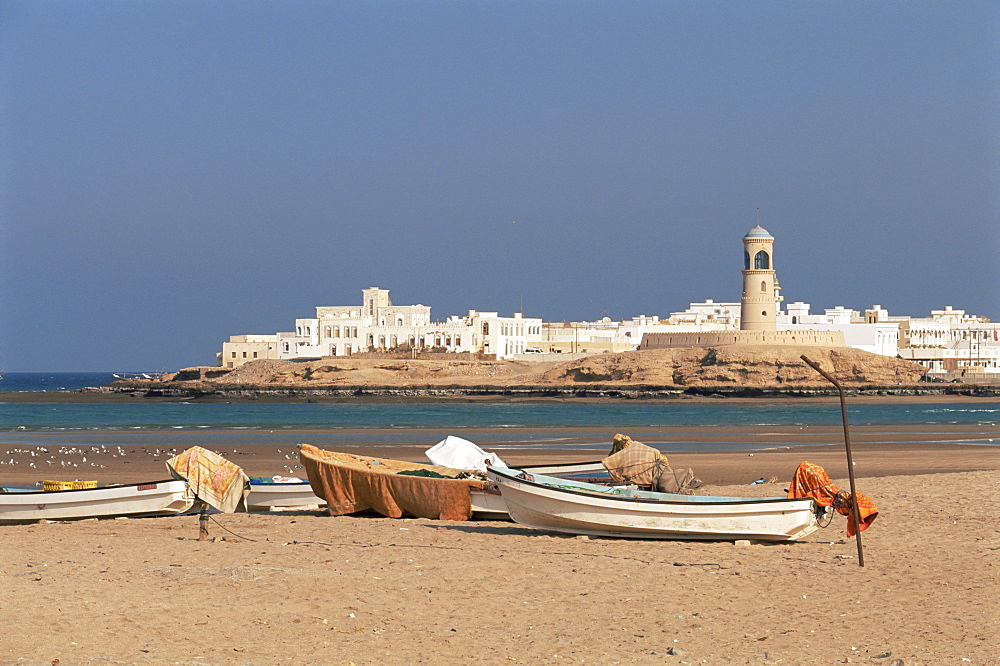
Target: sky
{"x":173,"y":173}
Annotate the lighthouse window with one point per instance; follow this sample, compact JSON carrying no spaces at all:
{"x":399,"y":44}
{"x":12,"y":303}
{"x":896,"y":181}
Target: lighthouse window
{"x":761,"y":261}
{"x":764,"y":313}
{"x":763,"y":286}
{"x":746,"y":260}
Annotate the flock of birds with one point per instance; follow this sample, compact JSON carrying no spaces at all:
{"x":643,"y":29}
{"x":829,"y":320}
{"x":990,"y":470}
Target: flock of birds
{"x":93,"y":457}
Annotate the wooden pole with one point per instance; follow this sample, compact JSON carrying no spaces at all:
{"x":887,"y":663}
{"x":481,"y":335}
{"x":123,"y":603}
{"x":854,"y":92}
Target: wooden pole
{"x":850,"y":461}
{"x":203,"y":523}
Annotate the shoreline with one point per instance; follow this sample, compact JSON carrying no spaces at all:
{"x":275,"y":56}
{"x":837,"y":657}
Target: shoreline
{"x":132,"y":392}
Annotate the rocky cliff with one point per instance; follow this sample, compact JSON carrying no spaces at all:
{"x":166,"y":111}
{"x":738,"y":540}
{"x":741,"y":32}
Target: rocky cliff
{"x":726,"y":366}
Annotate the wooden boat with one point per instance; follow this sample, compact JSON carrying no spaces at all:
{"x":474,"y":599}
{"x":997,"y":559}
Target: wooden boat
{"x":268,"y":495}
{"x":156,"y":498}
{"x":576,"y":507}
{"x":351,"y":483}
{"x":365,"y":482}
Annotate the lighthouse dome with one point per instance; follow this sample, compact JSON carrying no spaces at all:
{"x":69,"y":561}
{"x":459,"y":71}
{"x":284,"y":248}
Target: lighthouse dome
{"x":758,"y":232}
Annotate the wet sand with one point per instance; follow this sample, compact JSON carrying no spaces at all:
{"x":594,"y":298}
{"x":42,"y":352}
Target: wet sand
{"x":306,"y":588}
{"x":725,"y":455}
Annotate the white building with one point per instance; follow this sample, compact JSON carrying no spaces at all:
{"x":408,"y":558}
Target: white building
{"x":950,"y":341}
{"x":709,"y":315}
{"x":606,"y":336}
{"x":378,"y":325}
{"x":871,"y":336}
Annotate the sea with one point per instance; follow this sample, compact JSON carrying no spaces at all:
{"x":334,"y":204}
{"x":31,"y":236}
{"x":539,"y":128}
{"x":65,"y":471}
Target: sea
{"x":549,"y":424}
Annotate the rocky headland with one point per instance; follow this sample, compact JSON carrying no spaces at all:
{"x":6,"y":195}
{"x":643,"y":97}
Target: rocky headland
{"x":724,"y":371}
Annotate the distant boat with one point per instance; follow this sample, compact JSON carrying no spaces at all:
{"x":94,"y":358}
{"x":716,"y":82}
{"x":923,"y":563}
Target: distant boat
{"x":133,"y":375}
{"x":574,"y":507}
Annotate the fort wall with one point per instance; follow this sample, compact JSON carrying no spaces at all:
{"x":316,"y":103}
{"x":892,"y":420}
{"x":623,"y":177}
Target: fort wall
{"x":721,"y":338}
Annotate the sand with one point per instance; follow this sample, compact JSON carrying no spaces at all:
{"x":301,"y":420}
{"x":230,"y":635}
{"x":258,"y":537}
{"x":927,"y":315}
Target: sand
{"x":306,"y":588}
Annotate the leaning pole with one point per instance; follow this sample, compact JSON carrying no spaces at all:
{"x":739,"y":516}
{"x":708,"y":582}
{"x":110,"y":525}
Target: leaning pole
{"x":850,"y":461}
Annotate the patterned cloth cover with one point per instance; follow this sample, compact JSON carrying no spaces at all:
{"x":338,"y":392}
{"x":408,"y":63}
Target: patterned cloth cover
{"x":216,"y":481}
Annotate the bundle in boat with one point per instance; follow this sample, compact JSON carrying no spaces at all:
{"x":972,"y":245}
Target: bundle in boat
{"x":633,"y":462}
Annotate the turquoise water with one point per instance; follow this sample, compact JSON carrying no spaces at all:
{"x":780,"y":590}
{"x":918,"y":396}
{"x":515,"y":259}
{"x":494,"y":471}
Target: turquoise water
{"x":42,"y":416}
{"x":426,"y":422}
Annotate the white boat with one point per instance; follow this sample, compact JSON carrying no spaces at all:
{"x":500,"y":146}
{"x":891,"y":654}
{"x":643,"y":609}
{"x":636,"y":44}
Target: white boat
{"x":157,"y":498}
{"x":575,"y":507}
{"x":489,"y":504}
{"x":270,"y":495}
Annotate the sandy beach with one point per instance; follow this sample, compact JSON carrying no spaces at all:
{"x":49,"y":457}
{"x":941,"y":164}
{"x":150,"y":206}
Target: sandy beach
{"x":306,"y":588}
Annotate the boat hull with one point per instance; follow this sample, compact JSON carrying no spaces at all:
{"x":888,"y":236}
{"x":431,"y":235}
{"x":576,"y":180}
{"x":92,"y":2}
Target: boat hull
{"x":268,"y":496}
{"x":156,"y":498}
{"x":579,"y":508}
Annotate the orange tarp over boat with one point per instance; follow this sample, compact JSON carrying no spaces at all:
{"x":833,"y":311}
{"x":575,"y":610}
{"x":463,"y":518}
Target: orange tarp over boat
{"x":351,"y":483}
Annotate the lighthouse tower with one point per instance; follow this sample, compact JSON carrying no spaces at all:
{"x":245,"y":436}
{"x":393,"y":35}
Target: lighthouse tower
{"x":759,"y":305}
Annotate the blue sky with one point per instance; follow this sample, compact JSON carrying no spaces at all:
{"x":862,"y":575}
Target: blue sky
{"x":177,"y":172}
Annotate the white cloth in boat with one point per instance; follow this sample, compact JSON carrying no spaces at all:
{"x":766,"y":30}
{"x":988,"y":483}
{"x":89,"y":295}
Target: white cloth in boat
{"x":459,"y":453}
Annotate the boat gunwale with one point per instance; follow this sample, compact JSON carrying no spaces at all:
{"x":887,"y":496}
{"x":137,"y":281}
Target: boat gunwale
{"x":116,"y":486}
{"x":727,"y":501}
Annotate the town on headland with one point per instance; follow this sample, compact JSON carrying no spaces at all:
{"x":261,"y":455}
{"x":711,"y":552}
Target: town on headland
{"x":748,"y":349}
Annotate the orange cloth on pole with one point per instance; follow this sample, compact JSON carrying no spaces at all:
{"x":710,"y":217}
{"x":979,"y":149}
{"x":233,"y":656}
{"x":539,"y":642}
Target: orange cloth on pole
{"x":813,"y":481}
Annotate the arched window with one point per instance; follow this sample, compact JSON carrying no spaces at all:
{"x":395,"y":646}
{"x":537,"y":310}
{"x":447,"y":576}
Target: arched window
{"x":381,"y":341}
{"x":371,"y":340}
{"x":761,"y":261}
{"x":746,"y":260}
{"x":399,"y":321}
{"x":795,"y":320}
{"x":486,"y":328}
{"x":336,"y":331}
{"x":392,"y":342}
{"x":763,"y":286}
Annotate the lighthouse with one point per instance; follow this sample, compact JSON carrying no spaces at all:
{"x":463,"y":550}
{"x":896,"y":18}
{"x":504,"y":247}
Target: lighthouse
{"x":759,"y":305}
